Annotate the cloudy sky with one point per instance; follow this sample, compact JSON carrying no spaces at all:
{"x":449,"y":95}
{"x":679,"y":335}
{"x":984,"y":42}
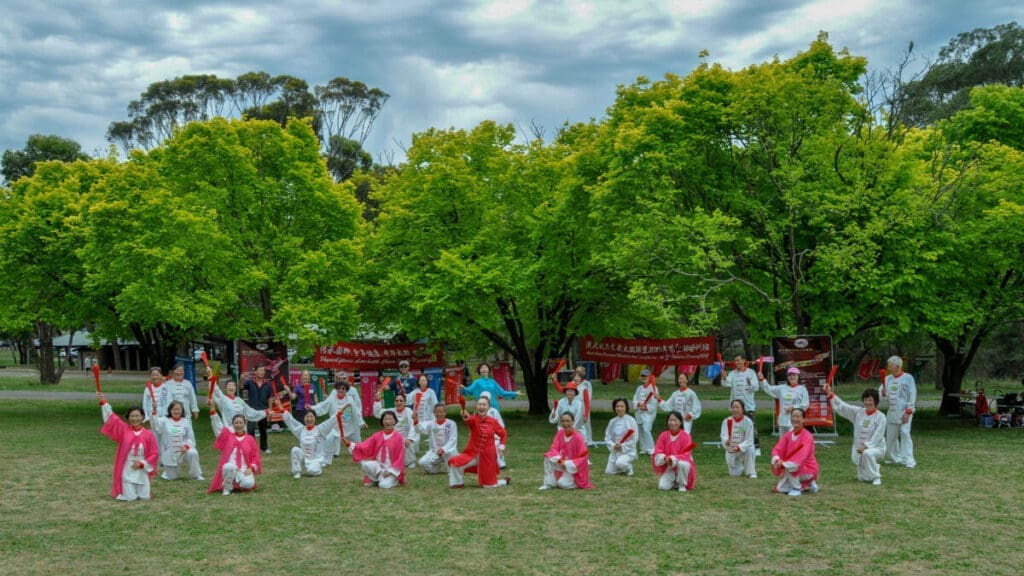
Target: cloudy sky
{"x":71,"y":67}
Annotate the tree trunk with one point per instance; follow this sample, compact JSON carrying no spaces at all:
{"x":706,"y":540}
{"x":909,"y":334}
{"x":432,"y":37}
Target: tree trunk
{"x":535,"y":379}
{"x":115,"y":348}
{"x":954,"y":367}
{"x":48,"y":374}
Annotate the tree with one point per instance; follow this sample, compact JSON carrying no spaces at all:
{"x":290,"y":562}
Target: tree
{"x":750,"y":194}
{"x":21,"y":163}
{"x":40,"y":233}
{"x":965,"y":280}
{"x":482,"y":243}
{"x":342,"y":111}
{"x":980,"y":57}
{"x":229,"y":227}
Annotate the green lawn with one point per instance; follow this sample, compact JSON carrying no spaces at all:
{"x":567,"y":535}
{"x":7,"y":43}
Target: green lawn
{"x":959,"y":511}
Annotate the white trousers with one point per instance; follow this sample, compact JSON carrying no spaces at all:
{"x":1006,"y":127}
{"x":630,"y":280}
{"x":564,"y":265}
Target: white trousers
{"x":232,"y":475}
{"x":133,"y":490}
{"x":898,"y":446}
{"x":790,"y":481}
{"x":867,"y":464}
{"x":314,"y":466}
{"x":741,"y":463}
{"x":191,"y":458}
{"x":619,"y":463}
{"x":675,"y":476}
{"x":645,"y":421}
{"x":566,"y":481}
{"x":377,"y":475}
{"x":434,"y":464}
{"x":410,"y":454}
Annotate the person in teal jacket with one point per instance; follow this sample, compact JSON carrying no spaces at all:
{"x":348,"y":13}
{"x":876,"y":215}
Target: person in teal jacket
{"x":487,"y":384}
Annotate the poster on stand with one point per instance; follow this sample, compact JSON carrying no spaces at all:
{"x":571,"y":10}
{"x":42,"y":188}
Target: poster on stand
{"x":813,"y":356}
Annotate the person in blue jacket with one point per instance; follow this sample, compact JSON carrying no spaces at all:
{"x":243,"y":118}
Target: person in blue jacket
{"x":487,"y":384}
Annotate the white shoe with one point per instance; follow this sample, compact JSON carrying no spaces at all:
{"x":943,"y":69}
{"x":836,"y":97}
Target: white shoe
{"x":911,"y":466}
{"x":877,"y":482}
{"x":682,"y":488}
{"x":200,"y":479}
{"x":629,"y":471}
{"x":226,"y":492}
{"x":267,"y":451}
{"x":794,"y":493}
{"x":275,"y":428}
{"x":544,"y":487}
{"x":889,"y":462}
{"x":297,"y":475}
{"x":753,"y":476}
{"x":757,"y":452}
{"x":814,"y":487}
{"x":163,"y":475}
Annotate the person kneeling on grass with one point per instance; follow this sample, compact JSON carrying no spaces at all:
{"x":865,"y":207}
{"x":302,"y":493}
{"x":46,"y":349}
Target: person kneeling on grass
{"x":620,"y":436}
{"x":137,"y":452}
{"x":567,"y":464}
{"x":177,"y":443}
{"x":738,"y":440}
{"x":480,"y":455}
{"x":672,"y":460}
{"x":442,"y":441}
{"x":239,"y":456}
{"x":868,"y":433}
{"x":382,"y":455}
{"x":793,"y":458}
{"x":311,"y":452}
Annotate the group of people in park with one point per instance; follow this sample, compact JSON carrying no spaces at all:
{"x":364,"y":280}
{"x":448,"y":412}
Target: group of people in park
{"x":418,"y":422}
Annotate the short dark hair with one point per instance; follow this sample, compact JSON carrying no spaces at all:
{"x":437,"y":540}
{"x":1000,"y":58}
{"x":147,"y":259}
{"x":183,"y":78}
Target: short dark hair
{"x":388,"y":412}
{"x":171,"y":406}
{"x":872,"y":393}
{"x":623,"y":400}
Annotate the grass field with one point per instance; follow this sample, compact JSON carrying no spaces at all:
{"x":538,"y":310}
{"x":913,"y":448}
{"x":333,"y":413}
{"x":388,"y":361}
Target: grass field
{"x":959,"y":511}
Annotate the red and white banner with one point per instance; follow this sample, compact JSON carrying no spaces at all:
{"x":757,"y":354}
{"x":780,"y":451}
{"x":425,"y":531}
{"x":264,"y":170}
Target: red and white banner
{"x":654,"y":351}
{"x":502,"y":374}
{"x":361,"y":356}
{"x":813,"y":356}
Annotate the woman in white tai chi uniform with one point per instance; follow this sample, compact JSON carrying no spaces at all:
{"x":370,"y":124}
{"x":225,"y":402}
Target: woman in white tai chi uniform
{"x":620,"y":436}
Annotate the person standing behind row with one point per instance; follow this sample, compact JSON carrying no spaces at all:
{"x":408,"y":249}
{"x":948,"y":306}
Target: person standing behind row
{"x":259,"y":392}
{"x":570,"y":405}
{"x":901,"y":391}
{"x":791,"y":395}
{"x":685,"y":401}
{"x":487,"y":384}
{"x":645,"y":404}
{"x":587,"y":396}
{"x":742,"y":383}
{"x":182,"y":390}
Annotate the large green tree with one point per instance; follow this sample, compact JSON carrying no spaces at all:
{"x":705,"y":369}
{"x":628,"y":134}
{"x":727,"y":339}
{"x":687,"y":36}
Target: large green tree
{"x":40,"y":233}
{"x":484,"y":244}
{"x":968,"y":209}
{"x":229,"y":227}
{"x":750,"y":194}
